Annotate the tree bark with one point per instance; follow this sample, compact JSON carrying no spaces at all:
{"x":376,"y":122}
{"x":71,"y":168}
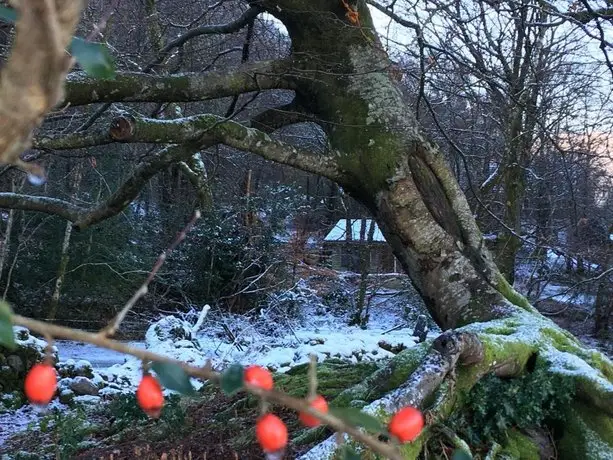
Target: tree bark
{"x":7,"y":235}
{"x":61,"y":273}
{"x":389,"y":165}
{"x":64,"y":255}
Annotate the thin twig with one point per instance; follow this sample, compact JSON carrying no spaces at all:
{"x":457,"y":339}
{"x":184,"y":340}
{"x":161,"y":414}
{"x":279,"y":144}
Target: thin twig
{"x":110,"y":330}
{"x":312,"y":377}
{"x":205,"y":373}
{"x":576,"y":285}
{"x":100,"y":26}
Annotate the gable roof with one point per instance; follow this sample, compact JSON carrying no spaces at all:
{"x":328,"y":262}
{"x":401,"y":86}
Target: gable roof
{"x":339,"y":231}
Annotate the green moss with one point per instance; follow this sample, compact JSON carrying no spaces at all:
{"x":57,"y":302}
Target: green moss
{"x":512,"y":322}
{"x":602,"y":363}
{"x":563,"y":340}
{"x":333,"y":376}
{"x":409,"y":450}
{"x":311,"y":436}
{"x":520,"y":447}
{"x":500,"y":330}
{"x":496,"y":350}
{"x":393,"y":374}
{"x":588,"y":434}
{"x":513,"y":296}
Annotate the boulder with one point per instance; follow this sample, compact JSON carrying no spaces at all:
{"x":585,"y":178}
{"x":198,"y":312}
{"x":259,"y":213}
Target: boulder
{"x":82,"y":386}
{"x":66,"y":396}
{"x":72,"y":368}
{"x":169,"y":329}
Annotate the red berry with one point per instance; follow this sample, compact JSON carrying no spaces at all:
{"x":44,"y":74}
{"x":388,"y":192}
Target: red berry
{"x":40,"y":384}
{"x":149,"y":396}
{"x":271,"y":433}
{"x":319,"y":403}
{"x":406,"y":424}
{"x":259,"y":377}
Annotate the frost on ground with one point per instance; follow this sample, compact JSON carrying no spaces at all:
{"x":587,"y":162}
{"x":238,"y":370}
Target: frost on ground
{"x":18,"y":420}
{"x":289,"y":327}
{"x":283,"y":333}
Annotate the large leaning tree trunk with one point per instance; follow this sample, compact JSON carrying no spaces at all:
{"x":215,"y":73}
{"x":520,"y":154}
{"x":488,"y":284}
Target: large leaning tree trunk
{"x":384,"y":160}
{"x":378,"y":153}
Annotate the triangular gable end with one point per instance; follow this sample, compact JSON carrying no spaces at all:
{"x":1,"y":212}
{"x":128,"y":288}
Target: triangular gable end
{"x":338,"y":233}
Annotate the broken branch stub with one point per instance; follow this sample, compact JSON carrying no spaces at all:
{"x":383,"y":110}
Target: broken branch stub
{"x":32,"y":81}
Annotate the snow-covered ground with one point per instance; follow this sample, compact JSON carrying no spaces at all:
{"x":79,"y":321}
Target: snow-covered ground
{"x":292,"y":326}
{"x":99,"y":358}
{"x":18,"y":420}
{"x":563,"y":294}
{"x":280,"y":336}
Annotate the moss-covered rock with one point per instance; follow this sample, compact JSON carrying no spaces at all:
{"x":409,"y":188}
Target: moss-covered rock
{"x":71,"y":368}
{"x":333,"y":377}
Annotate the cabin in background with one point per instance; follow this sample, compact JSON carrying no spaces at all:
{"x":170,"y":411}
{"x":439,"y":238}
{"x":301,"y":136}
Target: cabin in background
{"x":342,"y":244}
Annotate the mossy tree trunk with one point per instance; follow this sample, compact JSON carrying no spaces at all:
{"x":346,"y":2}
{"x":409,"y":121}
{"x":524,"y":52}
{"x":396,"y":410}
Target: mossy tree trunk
{"x":386,"y":162}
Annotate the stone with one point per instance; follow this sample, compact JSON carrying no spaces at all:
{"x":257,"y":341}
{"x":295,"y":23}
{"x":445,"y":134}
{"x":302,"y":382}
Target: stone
{"x":70,"y":368}
{"x":83,"y":386}
{"x":87,"y":401}
{"x":421,"y":328}
{"x":66,"y":396}
{"x":22,"y":334}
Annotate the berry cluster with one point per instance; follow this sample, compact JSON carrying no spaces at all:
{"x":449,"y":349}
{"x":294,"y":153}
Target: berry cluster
{"x":271,"y":432}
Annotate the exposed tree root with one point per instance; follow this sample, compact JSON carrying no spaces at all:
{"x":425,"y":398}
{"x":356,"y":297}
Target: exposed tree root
{"x":438,"y":377}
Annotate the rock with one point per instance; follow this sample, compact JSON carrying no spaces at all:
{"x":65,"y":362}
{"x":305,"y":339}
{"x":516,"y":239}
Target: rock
{"x":15,"y":363}
{"x":169,"y":328}
{"x":172,"y":333}
{"x":22,"y":334}
{"x":184,"y":344}
{"x":87,"y":400}
{"x":83,"y":386}
{"x":66,"y":396}
{"x":421,"y":328}
{"x":12,"y":401}
{"x":72,"y":368}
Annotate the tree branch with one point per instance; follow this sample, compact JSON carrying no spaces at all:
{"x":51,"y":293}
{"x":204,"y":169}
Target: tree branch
{"x":44,"y":204}
{"x":187,"y":136}
{"x":277,"y":117}
{"x":199,"y":129}
{"x":77,"y":140}
{"x":130,"y":189}
{"x":447,"y":351}
{"x":227,"y":28}
{"x":141,"y":87}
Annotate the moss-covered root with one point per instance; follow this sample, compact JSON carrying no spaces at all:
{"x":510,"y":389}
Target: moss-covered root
{"x":587,"y":434}
{"x":518,"y":447}
{"x":393,"y":374}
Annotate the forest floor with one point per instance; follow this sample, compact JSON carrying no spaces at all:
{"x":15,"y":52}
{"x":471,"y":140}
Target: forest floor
{"x":310,"y":318}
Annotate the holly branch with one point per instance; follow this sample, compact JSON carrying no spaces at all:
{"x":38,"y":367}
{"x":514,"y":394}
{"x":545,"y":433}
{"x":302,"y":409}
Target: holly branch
{"x":206,"y":373}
